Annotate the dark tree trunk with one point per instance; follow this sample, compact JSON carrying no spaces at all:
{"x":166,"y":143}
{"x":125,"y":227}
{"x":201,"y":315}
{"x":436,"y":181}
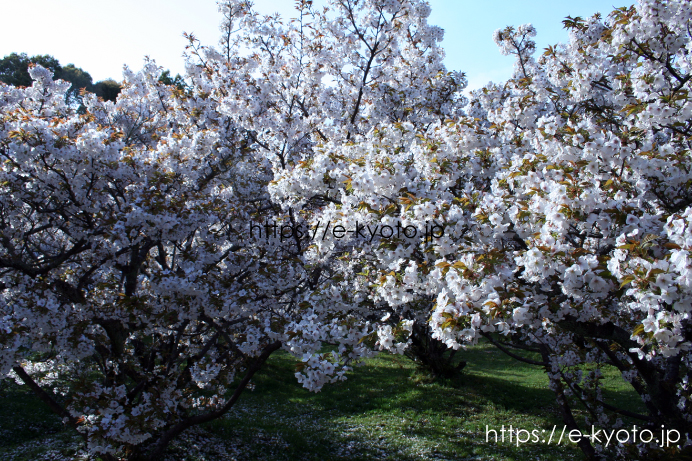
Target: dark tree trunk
{"x":431,"y":354}
{"x":167,"y":435}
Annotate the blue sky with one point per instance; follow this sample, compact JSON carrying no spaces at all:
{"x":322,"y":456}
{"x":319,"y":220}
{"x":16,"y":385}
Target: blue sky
{"x":101,"y":37}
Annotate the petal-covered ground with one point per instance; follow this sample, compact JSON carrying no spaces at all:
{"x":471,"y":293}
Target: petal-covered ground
{"x":386,"y":410}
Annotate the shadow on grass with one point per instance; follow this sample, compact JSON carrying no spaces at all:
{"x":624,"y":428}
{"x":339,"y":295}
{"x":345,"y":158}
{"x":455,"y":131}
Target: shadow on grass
{"x":384,"y":411}
{"x":380,"y":412}
{"x":387,"y":381}
{"x":23,"y":417}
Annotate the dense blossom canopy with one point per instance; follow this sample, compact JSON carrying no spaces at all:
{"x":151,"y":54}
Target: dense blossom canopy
{"x":553,"y":210}
{"x":565,"y":196}
{"x":131,"y":282}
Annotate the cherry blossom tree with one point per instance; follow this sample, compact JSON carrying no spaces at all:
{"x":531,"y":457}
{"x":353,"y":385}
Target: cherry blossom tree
{"x":136,"y":300}
{"x":564,"y":195}
{"x":330,"y":77}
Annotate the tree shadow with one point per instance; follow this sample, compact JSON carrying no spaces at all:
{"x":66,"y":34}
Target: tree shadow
{"x":380,"y":413}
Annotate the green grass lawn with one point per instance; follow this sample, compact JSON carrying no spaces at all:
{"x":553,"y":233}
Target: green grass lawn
{"x":386,"y":410}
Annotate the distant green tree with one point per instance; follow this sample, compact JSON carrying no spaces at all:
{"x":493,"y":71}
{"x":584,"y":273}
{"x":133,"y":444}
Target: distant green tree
{"x":166,"y":79}
{"x":14,"y":69}
{"x":108,"y":90}
{"x":79,"y":79}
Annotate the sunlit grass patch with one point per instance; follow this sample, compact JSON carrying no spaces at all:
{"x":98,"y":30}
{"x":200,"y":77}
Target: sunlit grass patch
{"x":386,"y":410}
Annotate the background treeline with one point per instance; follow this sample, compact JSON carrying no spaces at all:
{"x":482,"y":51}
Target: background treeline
{"x":14,"y":70}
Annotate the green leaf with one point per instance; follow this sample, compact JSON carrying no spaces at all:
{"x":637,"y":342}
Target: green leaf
{"x":626,"y":280}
